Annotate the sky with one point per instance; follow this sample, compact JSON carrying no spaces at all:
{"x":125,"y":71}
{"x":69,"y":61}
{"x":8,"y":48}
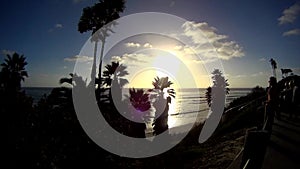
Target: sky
{"x":243,"y":36}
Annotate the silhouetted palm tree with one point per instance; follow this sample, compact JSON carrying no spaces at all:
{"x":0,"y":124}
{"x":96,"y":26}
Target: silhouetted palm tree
{"x":113,"y":77}
{"x":208,"y":96}
{"x":274,"y":66}
{"x":161,"y":104}
{"x":95,"y":17}
{"x":116,"y":71}
{"x":162,"y":83}
{"x":13,"y":71}
{"x":139,"y":99}
{"x":219,"y":81}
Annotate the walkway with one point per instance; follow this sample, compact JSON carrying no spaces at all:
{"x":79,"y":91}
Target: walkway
{"x":283,"y":151}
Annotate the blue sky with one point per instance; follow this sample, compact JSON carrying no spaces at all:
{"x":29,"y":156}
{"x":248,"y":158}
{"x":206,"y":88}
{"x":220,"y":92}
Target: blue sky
{"x":46,"y":33}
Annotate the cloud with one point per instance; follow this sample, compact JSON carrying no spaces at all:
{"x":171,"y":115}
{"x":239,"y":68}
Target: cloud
{"x":291,"y":32}
{"x":131,"y":44}
{"x":79,"y":58}
{"x":258,"y":74}
{"x":7,"y":52}
{"x":290,"y":14}
{"x":207,"y":42}
{"x":130,"y":58}
{"x":138,"y":45}
{"x":262,"y":59}
{"x":58,"y":25}
{"x":147,"y":45}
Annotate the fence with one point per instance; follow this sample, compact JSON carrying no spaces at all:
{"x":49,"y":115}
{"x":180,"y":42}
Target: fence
{"x":252,"y":154}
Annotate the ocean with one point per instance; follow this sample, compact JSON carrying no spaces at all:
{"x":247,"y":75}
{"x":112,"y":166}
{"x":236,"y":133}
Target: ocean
{"x":183,"y":110}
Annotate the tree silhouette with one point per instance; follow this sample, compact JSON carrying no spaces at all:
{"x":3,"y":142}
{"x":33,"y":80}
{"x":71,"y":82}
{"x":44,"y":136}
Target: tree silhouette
{"x":274,"y":66}
{"x":113,"y":77}
{"x":140,"y":101}
{"x":161,"y":104}
{"x":94,"y":18}
{"x":219,"y":81}
{"x":114,"y":71}
{"x":13,"y":71}
{"x":208,"y":96}
{"x":15,"y":109}
{"x":67,"y":80}
{"x":216,"y":95}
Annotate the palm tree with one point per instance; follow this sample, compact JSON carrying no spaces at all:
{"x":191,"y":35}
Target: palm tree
{"x":113,"y":77}
{"x":95,"y":17}
{"x":219,"y":81}
{"x":114,"y":73}
{"x":274,"y":66}
{"x":162,"y":83}
{"x":13,"y":71}
{"x":139,"y":99}
{"x":161,"y":104}
{"x":208,"y":96}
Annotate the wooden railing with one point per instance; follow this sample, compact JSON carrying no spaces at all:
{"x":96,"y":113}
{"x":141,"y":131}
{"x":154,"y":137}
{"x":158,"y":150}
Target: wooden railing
{"x":252,"y":154}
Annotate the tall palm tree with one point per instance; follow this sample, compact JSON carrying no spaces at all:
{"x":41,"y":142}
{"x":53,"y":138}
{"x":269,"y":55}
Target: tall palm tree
{"x":219,"y":81}
{"x":94,"y":18}
{"x":274,"y":66}
{"x":162,"y":83}
{"x":139,"y":99}
{"x":161,"y":104}
{"x":13,"y":71}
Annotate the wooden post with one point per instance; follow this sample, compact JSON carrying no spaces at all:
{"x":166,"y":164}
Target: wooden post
{"x":254,"y":149}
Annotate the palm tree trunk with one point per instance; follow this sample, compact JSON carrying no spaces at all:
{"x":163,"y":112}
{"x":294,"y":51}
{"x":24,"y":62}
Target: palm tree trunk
{"x":274,"y":72}
{"x":100,"y":64}
{"x":93,"y":73}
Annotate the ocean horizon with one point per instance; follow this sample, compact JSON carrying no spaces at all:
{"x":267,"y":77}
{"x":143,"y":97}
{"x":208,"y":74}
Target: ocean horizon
{"x":189,"y":105}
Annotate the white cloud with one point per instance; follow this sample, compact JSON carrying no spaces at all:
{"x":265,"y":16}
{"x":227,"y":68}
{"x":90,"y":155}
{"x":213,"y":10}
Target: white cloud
{"x":79,"y":58}
{"x":7,"y":52}
{"x":130,"y":58}
{"x":147,"y":45}
{"x":132,"y":44}
{"x":137,"y":45}
{"x":116,"y":59}
{"x":291,"y":32}
{"x":262,"y":59}
{"x":58,"y":25}
{"x":290,"y":14}
{"x":207,"y":42}
{"x":258,"y":74}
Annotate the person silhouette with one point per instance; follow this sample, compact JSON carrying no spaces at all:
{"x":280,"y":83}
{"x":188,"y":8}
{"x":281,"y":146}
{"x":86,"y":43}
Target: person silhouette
{"x":294,"y":99}
{"x":286,"y":98}
{"x":271,"y":106}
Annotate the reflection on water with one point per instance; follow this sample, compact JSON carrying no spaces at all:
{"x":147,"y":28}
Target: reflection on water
{"x":192,"y":102}
{"x":183,"y":109}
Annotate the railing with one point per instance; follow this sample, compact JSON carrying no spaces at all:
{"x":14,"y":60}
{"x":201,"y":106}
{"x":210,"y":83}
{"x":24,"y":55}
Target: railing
{"x":252,"y":154}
